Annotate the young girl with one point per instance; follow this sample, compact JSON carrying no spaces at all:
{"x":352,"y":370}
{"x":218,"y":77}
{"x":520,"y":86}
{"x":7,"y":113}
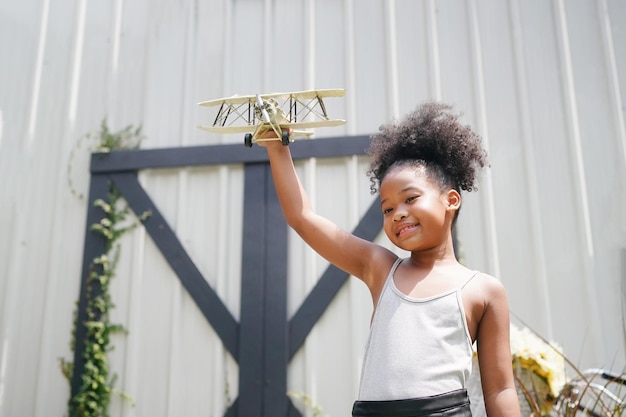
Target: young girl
{"x":428,"y":308}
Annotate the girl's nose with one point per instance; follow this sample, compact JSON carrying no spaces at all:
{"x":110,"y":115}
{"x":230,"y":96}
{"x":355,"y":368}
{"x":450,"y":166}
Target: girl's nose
{"x":399,"y":215}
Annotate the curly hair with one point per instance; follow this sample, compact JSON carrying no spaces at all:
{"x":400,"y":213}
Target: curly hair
{"x":431,"y":137}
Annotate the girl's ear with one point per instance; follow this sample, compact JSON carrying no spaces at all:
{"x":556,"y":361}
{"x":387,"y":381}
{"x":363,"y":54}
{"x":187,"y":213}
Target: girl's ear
{"x":453,"y":199}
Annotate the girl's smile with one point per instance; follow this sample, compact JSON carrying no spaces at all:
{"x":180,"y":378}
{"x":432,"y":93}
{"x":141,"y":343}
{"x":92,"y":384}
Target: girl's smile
{"x":405,"y":229}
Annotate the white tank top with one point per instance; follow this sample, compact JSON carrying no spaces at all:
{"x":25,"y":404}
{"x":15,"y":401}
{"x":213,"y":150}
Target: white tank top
{"x":417,"y":346}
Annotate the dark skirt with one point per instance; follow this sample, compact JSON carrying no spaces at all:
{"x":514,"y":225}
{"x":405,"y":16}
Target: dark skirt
{"x":450,"y":404}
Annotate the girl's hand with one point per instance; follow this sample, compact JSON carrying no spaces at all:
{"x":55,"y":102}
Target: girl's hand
{"x":270,"y":134}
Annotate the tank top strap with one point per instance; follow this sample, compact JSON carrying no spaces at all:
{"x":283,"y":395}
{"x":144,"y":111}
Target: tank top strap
{"x":392,"y":271}
{"x":469,"y":279}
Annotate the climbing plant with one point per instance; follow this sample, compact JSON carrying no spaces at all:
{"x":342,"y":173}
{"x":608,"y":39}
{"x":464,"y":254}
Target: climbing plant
{"x":96,"y":381}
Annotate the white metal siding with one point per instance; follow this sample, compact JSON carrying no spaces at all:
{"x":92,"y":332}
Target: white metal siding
{"x":543,"y":81}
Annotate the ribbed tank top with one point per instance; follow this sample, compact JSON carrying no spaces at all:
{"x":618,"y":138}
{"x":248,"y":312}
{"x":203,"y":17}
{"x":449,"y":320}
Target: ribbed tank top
{"x":417,"y":346}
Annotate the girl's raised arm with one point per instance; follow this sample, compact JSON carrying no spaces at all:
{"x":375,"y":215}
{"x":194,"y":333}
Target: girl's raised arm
{"x":350,"y":253}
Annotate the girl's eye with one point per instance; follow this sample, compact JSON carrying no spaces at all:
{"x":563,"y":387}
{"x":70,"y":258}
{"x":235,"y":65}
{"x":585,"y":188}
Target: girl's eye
{"x":386,"y":211}
{"x":408,"y":200}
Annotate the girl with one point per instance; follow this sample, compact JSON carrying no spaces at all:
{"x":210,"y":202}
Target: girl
{"x":428,"y":308}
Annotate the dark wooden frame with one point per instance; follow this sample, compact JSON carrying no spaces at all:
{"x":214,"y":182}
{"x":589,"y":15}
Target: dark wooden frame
{"x":264,"y":340}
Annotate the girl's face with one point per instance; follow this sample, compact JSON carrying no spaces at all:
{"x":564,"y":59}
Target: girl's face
{"x":417,"y":213}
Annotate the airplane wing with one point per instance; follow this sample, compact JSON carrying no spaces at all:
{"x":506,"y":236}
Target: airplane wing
{"x":315,"y":123}
{"x":305,"y":94}
{"x":228,"y":129}
{"x":234,"y":100}
{"x":252,"y":128}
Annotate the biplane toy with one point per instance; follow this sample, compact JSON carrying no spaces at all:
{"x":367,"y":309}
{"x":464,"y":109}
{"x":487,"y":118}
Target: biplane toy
{"x":288,"y":115}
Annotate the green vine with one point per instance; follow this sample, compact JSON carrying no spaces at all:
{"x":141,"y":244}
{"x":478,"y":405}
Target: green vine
{"x":103,"y":141}
{"x":97,"y":383}
{"x":307,"y":402}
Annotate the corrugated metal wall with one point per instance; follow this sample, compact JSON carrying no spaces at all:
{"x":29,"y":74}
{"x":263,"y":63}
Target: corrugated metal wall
{"x":543,"y":81}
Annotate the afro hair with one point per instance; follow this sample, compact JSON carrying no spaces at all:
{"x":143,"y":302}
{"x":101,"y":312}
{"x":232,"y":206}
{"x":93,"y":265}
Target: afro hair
{"x":431,"y":137}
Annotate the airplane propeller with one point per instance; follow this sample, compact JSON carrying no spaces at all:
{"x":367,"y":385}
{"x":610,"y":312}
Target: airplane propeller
{"x":261,"y":107}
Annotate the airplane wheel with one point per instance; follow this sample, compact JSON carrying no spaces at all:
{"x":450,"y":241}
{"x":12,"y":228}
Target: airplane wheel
{"x":285,"y":138}
{"x":247,"y":140}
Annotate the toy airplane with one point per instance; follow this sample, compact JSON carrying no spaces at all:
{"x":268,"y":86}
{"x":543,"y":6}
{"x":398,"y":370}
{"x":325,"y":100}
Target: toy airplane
{"x":282,"y":113}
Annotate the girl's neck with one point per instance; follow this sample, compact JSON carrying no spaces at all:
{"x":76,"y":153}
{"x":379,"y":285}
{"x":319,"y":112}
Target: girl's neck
{"x":425,"y":262}
{"x":441,"y":256}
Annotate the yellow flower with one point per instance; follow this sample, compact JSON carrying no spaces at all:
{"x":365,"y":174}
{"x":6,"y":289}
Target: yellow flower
{"x":544,"y":359}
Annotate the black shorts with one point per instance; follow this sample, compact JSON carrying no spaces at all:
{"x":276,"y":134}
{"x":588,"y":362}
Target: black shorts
{"x":450,"y":404}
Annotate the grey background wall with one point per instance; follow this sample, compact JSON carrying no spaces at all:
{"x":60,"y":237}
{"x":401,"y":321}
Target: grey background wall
{"x":543,"y":81}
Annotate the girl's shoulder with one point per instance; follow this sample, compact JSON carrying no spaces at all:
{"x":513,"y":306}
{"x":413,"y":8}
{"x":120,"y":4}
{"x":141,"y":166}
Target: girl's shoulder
{"x":489,"y":282}
{"x":381,"y":264}
{"x":484,"y":296}
{"x":484,"y":288}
